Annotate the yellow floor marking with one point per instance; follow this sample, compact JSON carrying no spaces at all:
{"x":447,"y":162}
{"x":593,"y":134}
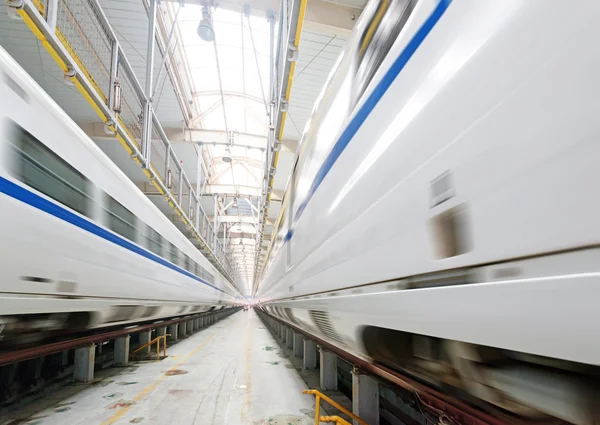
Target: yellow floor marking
{"x":119,"y":413}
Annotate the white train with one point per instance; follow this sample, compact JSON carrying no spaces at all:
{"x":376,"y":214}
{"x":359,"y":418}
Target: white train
{"x":80,"y":245}
{"x":441,"y":215}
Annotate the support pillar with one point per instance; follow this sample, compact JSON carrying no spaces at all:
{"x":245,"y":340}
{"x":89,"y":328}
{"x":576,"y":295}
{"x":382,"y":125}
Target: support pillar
{"x":161,"y":331}
{"x":121,"y":356}
{"x":283,"y":334}
{"x":190,"y":327}
{"x":310,"y":355}
{"x":64,"y":358}
{"x":8,"y":374}
{"x":182,"y":329}
{"x":145,"y":338}
{"x":329,"y":378}
{"x":201,"y":322}
{"x":33,"y":369}
{"x":174,"y":331}
{"x":365,"y":397}
{"x":289,"y":339}
{"x":84,"y":363}
{"x":298,"y":345}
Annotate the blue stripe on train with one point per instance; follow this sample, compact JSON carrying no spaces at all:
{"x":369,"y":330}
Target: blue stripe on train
{"x":17,"y":192}
{"x":371,"y":102}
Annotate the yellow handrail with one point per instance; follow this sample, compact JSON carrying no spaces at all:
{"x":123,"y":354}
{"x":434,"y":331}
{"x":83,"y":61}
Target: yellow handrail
{"x":319,"y":395}
{"x":157,"y":341}
{"x":336,"y":419}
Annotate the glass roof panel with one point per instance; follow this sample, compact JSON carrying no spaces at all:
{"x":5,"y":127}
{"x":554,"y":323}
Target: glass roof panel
{"x":230,"y":81}
{"x":242,"y":66}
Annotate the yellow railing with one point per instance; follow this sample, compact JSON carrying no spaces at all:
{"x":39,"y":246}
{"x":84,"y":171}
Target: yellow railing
{"x":157,"y":342}
{"x":336,"y":419}
{"x":318,"y":419}
{"x":123,"y":130}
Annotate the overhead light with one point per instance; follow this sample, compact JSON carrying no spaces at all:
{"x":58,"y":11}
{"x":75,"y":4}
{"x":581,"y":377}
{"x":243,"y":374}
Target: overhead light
{"x":205,"y":28}
{"x":227,"y":155}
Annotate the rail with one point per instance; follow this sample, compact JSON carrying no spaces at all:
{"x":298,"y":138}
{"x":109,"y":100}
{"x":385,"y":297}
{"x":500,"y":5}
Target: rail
{"x":81,"y":40}
{"x":318,"y":419}
{"x":157,"y":342}
{"x":428,"y":396}
{"x":82,"y":341}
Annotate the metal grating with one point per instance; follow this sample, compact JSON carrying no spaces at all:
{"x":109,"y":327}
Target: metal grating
{"x":80,"y":30}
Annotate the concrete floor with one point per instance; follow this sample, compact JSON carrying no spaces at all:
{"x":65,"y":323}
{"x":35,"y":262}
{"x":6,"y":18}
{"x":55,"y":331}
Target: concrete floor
{"x":230,"y":373}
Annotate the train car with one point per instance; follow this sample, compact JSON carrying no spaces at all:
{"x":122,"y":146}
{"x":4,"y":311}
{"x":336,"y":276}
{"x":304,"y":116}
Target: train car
{"x":80,"y":245}
{"x":439,"y":217}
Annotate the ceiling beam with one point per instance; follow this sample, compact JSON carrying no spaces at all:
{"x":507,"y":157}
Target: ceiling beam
{"x":217,"y":136}
{"x":320,"y":14}
{"x":238,"y":219}
{"x":228,"y":189}
{"x":228,"y":93}
{"x":95,"y":130}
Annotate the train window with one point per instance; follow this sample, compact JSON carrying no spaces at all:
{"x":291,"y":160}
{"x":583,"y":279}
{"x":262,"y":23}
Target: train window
{"x":173,"y":254}
{"x":154,"y":241}
{"x":120,"y":219}
{"x":40,"y":168}
{"x":386,"y":20}
{"x":189,"y":264}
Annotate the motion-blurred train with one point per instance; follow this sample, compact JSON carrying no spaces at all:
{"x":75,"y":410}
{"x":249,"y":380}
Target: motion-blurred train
{"x":80,"y":245}
{"x":441,"y":217}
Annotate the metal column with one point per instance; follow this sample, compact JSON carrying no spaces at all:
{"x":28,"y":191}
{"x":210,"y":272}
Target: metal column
{"x":147,"y":118}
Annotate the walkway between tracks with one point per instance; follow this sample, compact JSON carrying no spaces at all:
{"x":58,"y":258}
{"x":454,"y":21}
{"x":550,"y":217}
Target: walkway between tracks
{"x":229,"y":374}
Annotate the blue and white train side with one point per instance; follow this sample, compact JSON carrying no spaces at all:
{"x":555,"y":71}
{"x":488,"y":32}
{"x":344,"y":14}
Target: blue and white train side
{"x":441,"y":217}
{"x":80,"y":245}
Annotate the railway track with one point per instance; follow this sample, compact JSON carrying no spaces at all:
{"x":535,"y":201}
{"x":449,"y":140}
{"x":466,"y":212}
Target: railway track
{"x":447,"y":409}
{"x":29,"y":353}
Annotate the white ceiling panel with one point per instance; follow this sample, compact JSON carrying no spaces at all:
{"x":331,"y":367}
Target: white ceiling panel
{"x":318,"y":52}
